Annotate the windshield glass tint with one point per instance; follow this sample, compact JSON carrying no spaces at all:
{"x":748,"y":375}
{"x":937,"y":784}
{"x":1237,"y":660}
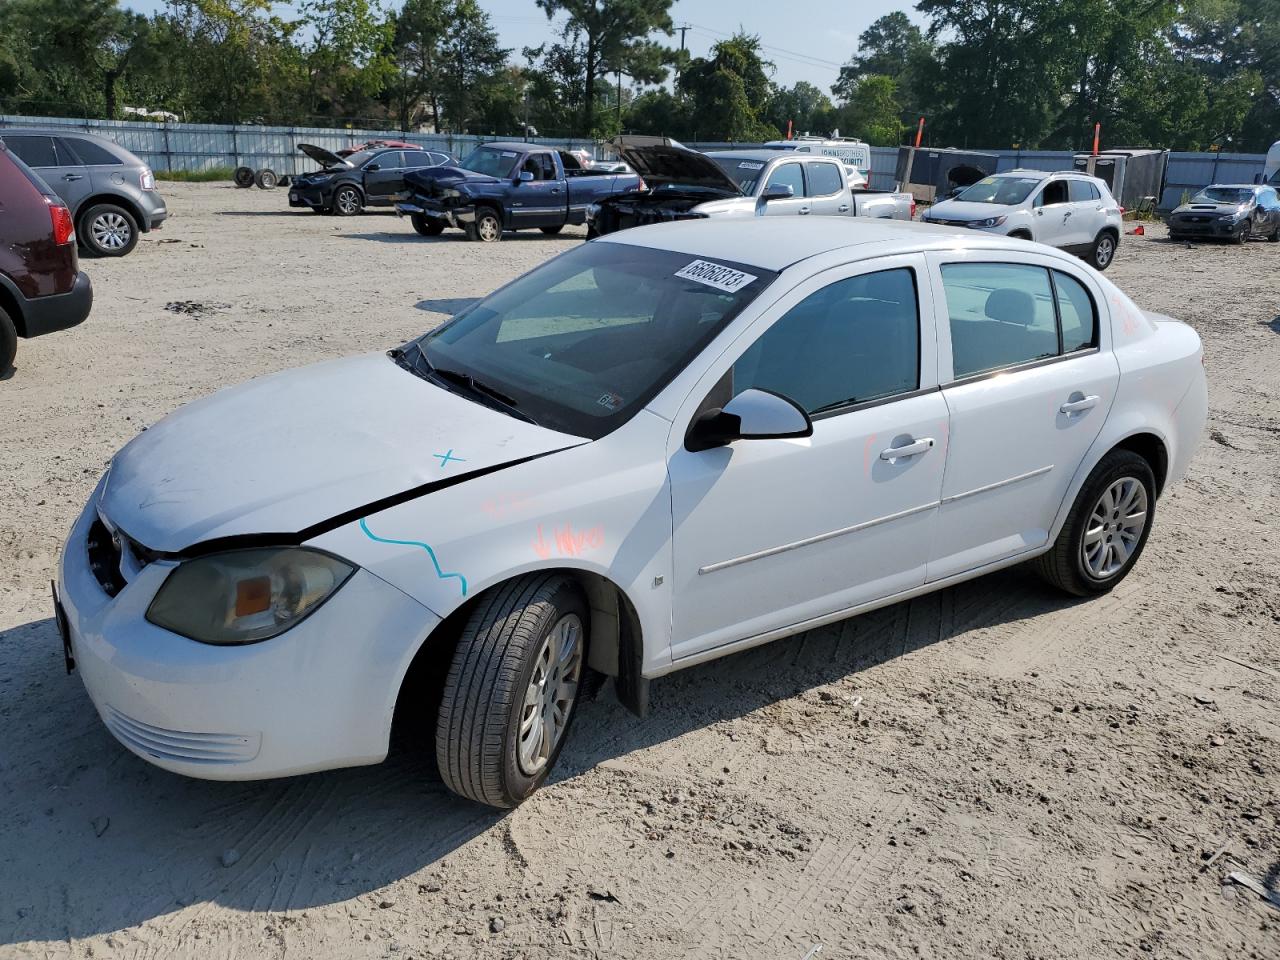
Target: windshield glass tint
{"x":1222,"y":195}
{"x":492,"y":162}
{"x":583,"y":342}
{"x":743,"y":172}
{"x":1002,"y":190}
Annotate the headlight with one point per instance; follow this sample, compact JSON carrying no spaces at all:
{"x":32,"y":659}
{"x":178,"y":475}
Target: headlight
{"x":244,"y":596}
{"x":1228,"y":217}
{"x":989,"y":222}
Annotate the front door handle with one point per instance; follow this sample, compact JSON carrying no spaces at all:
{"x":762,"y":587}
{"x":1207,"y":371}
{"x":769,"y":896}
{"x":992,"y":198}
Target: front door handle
{"x":73,"y":176}
{"x":1079,"y":406}
{"x":915,"y":447}
{"x":843,"y":208}
{"x":803,"y":211}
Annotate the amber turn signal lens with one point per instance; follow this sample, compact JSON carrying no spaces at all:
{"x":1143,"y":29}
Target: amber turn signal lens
{"x":253,"y":596}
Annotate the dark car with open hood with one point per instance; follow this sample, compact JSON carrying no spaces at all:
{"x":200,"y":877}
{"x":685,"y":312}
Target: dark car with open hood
{"x":345,"y":185}
{"x":42,"y":289}
{"x":1228,"y":211}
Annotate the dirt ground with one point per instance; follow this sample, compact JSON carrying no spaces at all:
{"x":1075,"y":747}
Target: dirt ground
{"x":992,"y":771}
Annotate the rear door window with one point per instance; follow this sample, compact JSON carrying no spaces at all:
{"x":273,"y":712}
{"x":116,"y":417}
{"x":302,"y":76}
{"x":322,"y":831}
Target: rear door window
{"x":36,"y":151}
{"x":824,"y":179}
{"x":1002,"y":314}
{"x":1076,"y":310}
{"x":1082,"y":191}
{"x":89,"y":153}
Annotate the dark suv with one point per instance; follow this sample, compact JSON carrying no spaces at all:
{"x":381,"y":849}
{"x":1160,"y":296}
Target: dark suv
{"x":112,"y":193}
{"x":366,"y":178}
{"x":41,"y":286}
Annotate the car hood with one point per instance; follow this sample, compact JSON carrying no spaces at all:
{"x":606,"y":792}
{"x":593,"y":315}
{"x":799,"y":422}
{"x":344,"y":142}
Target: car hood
{"x":1208,"y":206}
{"x":326,"y":158}
{"x":285,"y":453}
{"x":427,"y":177}
{"x":967,"y":210}
{"x":662,"y":161}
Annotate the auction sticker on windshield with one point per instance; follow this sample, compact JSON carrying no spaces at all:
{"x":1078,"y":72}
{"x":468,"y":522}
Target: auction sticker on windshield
{"x":715,"y":275}
{"x":750,"y":165}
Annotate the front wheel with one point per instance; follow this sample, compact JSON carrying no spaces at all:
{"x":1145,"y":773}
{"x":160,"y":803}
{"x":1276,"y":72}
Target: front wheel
{"x":108,"y":230}
{"x":551,"y":231}
{"x":510,"y":693}
{"x":487,"y":228}
{"x":1103,"y":252}
{"x":427,"y":226}
{"x":1241,"y":235}
{"x":1107,"y":528}
{"x":347,"y":202}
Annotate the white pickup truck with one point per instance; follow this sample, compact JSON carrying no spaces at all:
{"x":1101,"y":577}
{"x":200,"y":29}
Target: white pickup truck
{"x":683,"y":184}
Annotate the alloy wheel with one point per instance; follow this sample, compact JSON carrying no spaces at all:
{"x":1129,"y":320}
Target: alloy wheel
{"x":111,"y":231}
{"x":489,"y":229}
{"x":1106,"y":248}
{"x":348,"y":202}
{"x":549,"y":698}
{"x":1114,"y":528}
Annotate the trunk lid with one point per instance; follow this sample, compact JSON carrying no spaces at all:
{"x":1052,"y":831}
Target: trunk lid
{"x":284,"y":452}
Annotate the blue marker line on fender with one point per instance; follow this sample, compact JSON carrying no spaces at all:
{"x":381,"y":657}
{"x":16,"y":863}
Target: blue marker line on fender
{"x":416,"y":543}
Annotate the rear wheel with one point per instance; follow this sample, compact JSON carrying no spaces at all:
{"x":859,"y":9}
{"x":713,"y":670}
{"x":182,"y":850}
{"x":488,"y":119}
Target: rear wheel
{"x":1103,"y":252}
{"x":551,"y":231}
{"x":427,"y":226}
{"x":487,"y":227}
{"x":108,"y":230}
{"x":1107,"y":528}
{"x":347,"y":202}
{"x":8,"y":342}
{"x":511,"y":690}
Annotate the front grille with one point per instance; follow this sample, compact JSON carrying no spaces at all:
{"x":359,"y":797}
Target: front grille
{"x":182,"y":745}
{"x":104,"y":558}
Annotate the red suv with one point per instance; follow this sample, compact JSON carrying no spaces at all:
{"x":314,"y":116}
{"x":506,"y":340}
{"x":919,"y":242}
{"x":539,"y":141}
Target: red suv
{"x":41,"y":286}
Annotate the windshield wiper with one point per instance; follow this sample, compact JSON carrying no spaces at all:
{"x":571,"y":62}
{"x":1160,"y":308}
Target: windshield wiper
{"x":507,"y":403}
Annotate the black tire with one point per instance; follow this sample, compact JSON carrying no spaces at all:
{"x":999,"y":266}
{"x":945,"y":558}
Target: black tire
{"x":481,"y":709}
{"x":107,"y":230}
{"x":1064,"y":564}
{"x":8,"y":342}
{"x":592,"y":232}
{"x":487,"y":227}
{"x":1020,"y":235}
{"x":243,"y":177}
{"x":1275,"y":235}
{"x":427,"y":226}
{"x":1241,"y":235}
{"x":1103,"y":250}
{"x":347,"y":201}
{"x":551,"y":231}
{"x":266,"y":179}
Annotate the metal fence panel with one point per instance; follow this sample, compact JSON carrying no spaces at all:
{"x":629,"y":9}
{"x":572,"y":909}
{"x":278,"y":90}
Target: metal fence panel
{"x":204,"y":146}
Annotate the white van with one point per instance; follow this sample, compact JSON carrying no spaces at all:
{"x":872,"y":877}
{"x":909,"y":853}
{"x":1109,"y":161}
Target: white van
{"x":854,"y":154}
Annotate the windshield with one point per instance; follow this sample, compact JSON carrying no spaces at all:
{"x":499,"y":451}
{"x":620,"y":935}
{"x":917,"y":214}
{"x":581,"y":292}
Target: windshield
{"x":491,"y":162}
{"x":361,"y":157}
{"x":583,"y":342}
{"x":743,"y":172}
{"x":1003,"y":190}
{"x":1223,"y":195}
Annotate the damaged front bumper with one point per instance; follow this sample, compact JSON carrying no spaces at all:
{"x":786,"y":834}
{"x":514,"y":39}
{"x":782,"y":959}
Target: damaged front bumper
{"x":452,"y":214}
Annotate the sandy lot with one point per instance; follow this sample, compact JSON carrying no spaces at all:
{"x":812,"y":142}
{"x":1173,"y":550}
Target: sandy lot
{"x":993,"y":771}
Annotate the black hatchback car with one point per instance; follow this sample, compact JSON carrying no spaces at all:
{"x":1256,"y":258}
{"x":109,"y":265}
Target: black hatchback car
{"x":346,"y":185}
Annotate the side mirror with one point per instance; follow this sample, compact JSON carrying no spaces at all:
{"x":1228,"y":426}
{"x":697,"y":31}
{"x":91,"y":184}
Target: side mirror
{"x":751,"y":415}
{"x":524,"y":176}
{"x":777,"y":191}
{"x":373,"y":168}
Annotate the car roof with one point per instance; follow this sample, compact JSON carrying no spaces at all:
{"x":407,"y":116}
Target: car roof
{"x":775,"y":243}
{"x":517,"y":146}
{"x":1235,"y":186}
{"x":66,"y":132}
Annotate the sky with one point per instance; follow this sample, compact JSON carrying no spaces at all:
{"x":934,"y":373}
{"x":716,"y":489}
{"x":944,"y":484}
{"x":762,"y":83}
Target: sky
{"x":810,"y":46}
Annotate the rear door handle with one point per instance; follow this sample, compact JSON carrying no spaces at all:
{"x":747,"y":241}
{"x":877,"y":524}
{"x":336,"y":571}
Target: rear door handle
{"x":843,"y":208}
{"x":72,"y":176}
{"x":1079,"y":406}
{"x":923,"y":445}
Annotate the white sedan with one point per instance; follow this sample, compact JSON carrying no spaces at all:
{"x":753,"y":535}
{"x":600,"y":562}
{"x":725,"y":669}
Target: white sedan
{"x":656,"y":449}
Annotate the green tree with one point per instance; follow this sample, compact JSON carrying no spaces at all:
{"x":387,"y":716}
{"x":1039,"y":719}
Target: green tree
{"x":471,"y":66}
{"x":347,"y":52}
{"x":616,"y":39}
{"x":803,"y":105}
{"x":728,"y":91}
{"x":419,"y":31}
{"x":873,"y":112}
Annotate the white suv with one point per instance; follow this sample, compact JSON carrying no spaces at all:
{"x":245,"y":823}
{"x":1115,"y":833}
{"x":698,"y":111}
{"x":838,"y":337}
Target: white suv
{"x":1069,"y":210}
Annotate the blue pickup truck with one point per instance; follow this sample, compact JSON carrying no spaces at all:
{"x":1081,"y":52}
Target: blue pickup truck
{"x":508,"y":186}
